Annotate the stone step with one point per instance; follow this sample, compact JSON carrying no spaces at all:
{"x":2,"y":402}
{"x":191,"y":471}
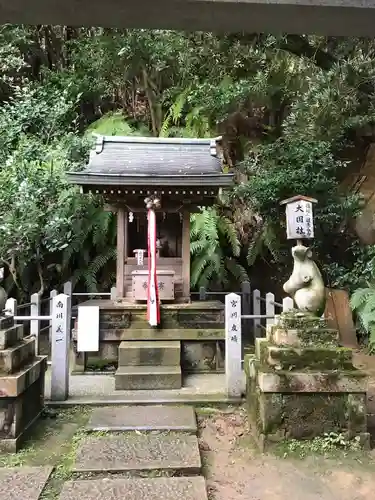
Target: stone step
{"x":177,"y":334}
{"x":14,"y":358}
{"x":136,"y":452}
{"x":143,"y":418}
{"x":297,"y":359}
{"x":146,"y":353}
{"x":6,"y":322}
{"x":148,"y":377}
{"x":166,"y":488}
{"x":15,"y":384}
{"x":10,"y":336}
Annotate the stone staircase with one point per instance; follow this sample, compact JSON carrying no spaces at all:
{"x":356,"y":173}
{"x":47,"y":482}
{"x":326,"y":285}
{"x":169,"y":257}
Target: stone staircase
{"x":21,"y":384}
{"x":149,"y":365}
{"x":145,"y":453}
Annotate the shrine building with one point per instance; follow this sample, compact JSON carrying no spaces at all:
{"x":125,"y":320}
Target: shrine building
{"x":153,"y":185}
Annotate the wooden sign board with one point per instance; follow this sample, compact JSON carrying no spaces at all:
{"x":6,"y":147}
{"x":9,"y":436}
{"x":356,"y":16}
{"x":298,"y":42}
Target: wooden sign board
{"x":299,"y":220}
{"x":88,"y":329}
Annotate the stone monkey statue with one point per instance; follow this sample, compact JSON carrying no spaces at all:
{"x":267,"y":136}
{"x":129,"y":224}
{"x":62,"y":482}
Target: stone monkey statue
{"x":305,"y":284}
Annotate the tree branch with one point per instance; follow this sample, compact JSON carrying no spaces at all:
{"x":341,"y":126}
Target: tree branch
{"x":300,"y":46}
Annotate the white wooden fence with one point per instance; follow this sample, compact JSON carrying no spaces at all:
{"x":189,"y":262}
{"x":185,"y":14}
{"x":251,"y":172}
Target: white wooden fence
{"x":60,"y":324}
{"x":59,"y":319}
{"x":41,"y":310}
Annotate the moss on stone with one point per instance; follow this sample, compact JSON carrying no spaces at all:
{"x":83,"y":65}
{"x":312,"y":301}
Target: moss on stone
{"x":297,"y":320}
{"x":357,"y":414}
{"x":308,"y":358}
{"x":314,"y":337}
{"x":97,"y":364}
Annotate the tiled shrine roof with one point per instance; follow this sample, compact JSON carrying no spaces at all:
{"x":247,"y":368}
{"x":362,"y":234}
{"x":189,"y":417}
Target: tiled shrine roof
{"x":133,"y":161}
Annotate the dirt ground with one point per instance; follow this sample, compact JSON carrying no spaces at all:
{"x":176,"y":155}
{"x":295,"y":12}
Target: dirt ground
{"x":236,"y":471}
{"x":233,"y":467}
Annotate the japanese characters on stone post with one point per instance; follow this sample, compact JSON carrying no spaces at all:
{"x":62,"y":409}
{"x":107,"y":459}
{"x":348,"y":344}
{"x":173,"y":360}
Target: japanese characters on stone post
{"x":233,"y":349}
{"x":299,"y":217}
{"x":60,"y":347}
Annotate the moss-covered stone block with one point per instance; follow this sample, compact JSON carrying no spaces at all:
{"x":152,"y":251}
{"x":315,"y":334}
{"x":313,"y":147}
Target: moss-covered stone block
{"x":306,"y":358}
{"x":318,"y":381}
{"x":308,"y":337}
{"x":275,"y":417}
{"x":356,"y":414}
{"x":295,"y":320}
{"x":301,"y":385}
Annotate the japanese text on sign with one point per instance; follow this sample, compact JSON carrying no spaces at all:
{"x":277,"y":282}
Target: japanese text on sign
{"x":299,"y":220}
{"x":234,"y":320}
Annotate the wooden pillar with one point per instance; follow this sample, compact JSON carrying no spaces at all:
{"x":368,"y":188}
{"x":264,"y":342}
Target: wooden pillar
{"x":121,"y":238}
{"x":186,"y":255}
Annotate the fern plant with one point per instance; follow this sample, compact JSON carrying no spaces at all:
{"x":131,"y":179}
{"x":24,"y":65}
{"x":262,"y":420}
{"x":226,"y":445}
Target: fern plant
{"x":362,"y":303}
{"x":215,"y":249}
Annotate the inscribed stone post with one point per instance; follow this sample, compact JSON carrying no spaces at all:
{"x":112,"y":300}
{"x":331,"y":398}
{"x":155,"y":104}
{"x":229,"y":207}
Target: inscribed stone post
{"x":60,"y":348}
{"x":233,"y":349}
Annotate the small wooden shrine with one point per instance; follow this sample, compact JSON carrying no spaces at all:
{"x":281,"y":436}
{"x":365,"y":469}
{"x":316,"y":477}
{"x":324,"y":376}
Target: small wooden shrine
{"x":153,"y":184}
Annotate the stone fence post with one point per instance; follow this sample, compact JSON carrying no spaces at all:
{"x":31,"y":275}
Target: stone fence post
{"x":60,"y":347}
{"x":233,"y":348}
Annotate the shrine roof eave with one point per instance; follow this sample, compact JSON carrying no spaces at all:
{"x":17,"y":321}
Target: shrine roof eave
{"x":105,"y":179}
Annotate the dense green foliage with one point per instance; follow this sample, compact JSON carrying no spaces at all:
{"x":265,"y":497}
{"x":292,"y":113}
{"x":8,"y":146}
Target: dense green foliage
{"x":293,"y":112}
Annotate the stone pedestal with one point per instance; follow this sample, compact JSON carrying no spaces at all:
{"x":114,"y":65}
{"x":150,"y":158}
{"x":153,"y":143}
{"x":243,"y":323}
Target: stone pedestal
{"x":21,"y":384}
{"x":301,"y":384}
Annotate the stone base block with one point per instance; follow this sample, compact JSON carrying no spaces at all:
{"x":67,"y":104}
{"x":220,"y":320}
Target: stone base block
{"x":6,"y":322}
{"x":289,"y":358}
{"x":11,"y":336}
{"x":13,"y":358}
{"x":155,"y":353}
{"x":15,"y":384}
{"x":19,"y":413}
{"x":305,"y":404}
{"x":148,"y":377}
{"x":276,"y":417}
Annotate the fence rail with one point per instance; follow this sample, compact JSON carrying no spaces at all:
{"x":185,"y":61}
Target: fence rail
{"x":240,"y":309}
{"x":257,"y":312}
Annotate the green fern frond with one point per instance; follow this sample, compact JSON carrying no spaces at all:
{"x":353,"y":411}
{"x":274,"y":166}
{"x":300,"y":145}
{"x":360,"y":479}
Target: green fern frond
{"x":254,"y":249}
{"x":197,"y":246}
{"x":360,"y":297}
{"x":100,"y":261}
{"x":226,"y":227}
{"x":197,"y":267}
{"x":236,"y":270}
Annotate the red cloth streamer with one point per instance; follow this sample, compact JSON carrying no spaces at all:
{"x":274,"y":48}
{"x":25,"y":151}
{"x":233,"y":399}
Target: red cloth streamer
{"x":153,"y":307}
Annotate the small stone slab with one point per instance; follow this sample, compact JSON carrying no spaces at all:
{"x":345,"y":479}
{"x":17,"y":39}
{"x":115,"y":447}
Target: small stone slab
{"x":25,"y":483}
{"x":139,"y":452}
{"x":166,"y":488}
{"x":143,"y":418}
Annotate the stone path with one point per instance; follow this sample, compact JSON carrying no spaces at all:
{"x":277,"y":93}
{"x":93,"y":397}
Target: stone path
{"x":158,"y":442}
{"x":23,"y":484}
{"x":174,"y":488}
